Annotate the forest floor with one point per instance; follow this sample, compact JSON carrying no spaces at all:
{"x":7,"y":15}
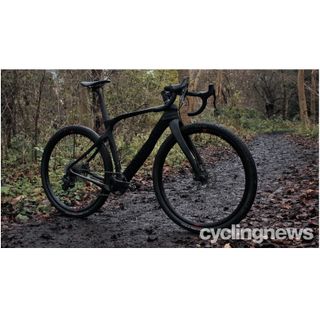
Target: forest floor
{"x":287,"y":197}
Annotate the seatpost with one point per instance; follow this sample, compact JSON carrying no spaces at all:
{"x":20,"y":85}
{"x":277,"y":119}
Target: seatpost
{"x":102,"y":105}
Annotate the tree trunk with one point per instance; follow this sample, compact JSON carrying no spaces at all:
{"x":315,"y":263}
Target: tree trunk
{"x":185,"y":108}
{"x":219,"y":85}
{"x":195,"y":76}
{"x":285,"y":104}
{"x":83,"y":107}
{"x":191,"y":103}
{"x":313,"y":106}
{"x":97,"y":124}
{"x":302,"y":99}
{"x":37,"y":116}
{"x":8,"y":108}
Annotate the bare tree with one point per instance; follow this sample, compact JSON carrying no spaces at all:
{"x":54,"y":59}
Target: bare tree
{"x":302,"y":98}
{"x":220,"y":92}
{"x":313,"y":97}
{"x":191,"y":103}
{"x":96,"y":75}
{"x":285,"y":101}
{"x":37,"y":114}
{"x":266,"y":87}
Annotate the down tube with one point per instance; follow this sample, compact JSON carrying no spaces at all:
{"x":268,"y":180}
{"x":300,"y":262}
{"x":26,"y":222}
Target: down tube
{"x":145,"y":150}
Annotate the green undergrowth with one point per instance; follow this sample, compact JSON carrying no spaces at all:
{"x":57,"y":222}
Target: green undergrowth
{"x":21,"y":192}
{"x":248,"y":123}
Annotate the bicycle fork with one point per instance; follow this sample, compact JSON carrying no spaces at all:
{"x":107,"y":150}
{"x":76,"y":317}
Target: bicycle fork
{"x":190,"y":152}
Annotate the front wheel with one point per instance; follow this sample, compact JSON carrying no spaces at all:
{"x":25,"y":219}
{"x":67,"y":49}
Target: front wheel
{"x":223,"y":197}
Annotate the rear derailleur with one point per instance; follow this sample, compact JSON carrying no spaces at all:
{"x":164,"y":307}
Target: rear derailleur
{"x":69,"y":178}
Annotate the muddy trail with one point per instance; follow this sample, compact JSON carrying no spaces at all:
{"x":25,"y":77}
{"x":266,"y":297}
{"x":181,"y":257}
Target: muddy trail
{"x":287,"y":197}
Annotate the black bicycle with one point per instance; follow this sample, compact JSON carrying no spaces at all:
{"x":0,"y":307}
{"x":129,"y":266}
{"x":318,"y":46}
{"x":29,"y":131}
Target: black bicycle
{"x":203,"y":175}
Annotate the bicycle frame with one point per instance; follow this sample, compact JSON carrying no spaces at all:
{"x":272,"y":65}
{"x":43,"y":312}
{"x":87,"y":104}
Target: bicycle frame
{"x":170,"y":118}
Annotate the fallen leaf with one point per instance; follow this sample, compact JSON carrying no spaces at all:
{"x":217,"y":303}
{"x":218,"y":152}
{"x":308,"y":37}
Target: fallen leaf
{"x":14,"y":201}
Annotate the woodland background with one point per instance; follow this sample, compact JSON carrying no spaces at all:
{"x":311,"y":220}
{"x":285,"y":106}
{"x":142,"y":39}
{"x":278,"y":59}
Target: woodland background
{"x":36,"y":103}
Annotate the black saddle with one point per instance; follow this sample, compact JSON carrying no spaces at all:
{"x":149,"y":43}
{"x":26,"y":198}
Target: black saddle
{"x":95,"y":84}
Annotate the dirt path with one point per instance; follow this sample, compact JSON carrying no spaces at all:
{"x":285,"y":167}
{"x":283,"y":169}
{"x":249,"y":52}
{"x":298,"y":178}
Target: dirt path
{"x":287,"y":197}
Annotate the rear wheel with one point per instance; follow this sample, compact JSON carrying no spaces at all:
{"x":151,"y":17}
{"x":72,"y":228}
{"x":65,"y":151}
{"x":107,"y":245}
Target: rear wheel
{"x":71,"y":194}
{"x":220,"y":199}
